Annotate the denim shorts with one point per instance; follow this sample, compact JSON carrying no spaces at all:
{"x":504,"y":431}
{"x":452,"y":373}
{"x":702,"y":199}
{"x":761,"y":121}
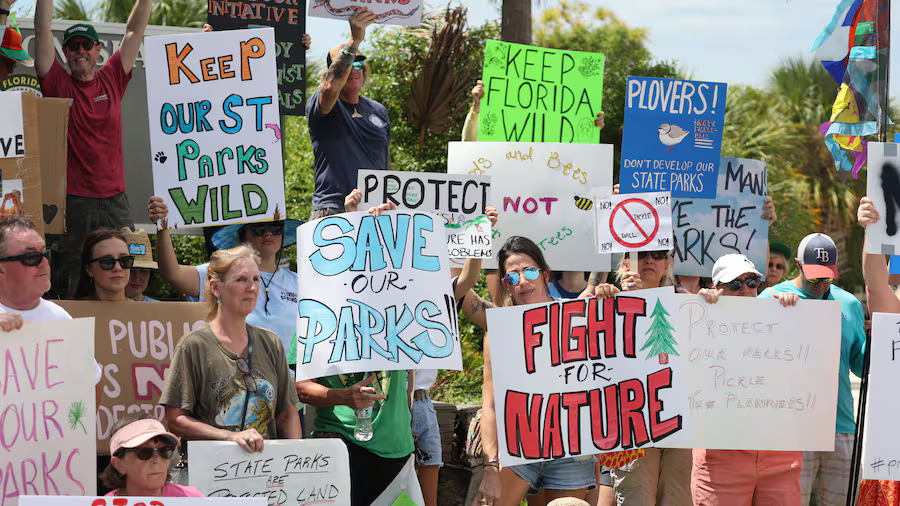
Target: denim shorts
{"x":571,"y":473}
{"x":426,"y":433}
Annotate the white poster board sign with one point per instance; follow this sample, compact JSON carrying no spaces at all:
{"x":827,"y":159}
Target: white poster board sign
{"x":883,"y":187}
{"x":560,"y":369}
{"x":881,"y":450}
{"x":12,"y":128}
{"x":402,"y":12}
{"x":770,"y":370}
{"x":288,"y":472}
{"x":706,"y":229}
{"x":376,"y":295}
{"x":543,"y":192}
{"x":48,"y":404}
{"x":54,"y":500}
{"x":215,"y":131}
{"x":459,"y":199}
{"x":634,"y":222}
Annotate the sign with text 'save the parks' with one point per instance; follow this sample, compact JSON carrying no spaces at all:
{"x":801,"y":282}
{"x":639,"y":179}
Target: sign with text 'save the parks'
{"x":535,"y":94}
{"x":215,"y":131}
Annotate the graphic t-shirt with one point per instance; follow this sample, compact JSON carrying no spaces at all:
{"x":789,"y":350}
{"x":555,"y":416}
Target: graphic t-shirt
{"x":205,"y":381}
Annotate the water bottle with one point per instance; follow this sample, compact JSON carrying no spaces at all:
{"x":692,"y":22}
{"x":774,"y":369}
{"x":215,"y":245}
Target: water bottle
{"x":363,"y":429}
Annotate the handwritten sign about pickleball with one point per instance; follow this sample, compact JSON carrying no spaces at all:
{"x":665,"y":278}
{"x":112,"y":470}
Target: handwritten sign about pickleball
{"x":634,"y":222}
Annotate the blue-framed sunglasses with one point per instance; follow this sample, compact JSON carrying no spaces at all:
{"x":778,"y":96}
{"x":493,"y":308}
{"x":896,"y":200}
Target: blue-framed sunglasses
{"x":531,"y":273}
{"x":358,"y":65}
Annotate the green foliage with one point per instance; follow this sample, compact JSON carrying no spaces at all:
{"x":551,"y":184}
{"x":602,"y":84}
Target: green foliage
{"x":71,"y":9}
{"x":190,"y":13}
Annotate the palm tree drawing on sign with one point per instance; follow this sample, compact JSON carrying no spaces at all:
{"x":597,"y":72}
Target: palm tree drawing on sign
{"x":77,"y":412}
{"x":661,"y":339}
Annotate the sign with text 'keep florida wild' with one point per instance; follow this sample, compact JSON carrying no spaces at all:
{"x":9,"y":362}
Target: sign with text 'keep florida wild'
{"x":215,"y":132}
{"x":672,"y":137}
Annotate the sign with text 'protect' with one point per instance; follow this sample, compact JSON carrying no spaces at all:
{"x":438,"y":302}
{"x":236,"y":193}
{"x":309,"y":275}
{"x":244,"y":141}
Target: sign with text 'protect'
{"x":376,"y":295}
{"x":635,"y":222}
{"x":12,"y":129}
{"x":883,"y":187}
{"x":215,"y":130}
{"x":881,"y":451}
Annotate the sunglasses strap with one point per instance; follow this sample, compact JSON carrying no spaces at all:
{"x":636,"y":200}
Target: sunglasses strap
{"x":250,"y":372}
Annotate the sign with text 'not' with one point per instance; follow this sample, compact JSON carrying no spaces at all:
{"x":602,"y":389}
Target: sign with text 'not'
{"x":634,"y":222}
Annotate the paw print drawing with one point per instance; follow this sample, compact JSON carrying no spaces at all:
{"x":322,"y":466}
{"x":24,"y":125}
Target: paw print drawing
{"x":161,"y":157}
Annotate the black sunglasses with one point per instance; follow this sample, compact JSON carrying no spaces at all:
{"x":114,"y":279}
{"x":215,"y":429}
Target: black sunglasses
{"x":260,"y":229}
{"x":108,"y":263}
{"x":87,"y":45}
{"x":656,"y":255}
{"x":144,"y":453}
{"x":31,"y":259}
{"x":249,"y":382}
{"x":736,"y":284}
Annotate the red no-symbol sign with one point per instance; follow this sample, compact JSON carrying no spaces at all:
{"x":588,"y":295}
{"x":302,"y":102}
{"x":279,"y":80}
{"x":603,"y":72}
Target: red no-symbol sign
{"x":647,"y":237}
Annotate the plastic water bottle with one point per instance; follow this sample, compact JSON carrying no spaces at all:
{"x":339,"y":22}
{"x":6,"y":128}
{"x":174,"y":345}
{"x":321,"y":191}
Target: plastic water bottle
{"x":363,"y":429}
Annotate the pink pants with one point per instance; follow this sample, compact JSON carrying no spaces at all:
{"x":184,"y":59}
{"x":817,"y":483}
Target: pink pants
{"x":745,"y":478}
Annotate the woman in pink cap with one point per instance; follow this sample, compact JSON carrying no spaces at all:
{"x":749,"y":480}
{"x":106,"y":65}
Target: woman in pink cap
{"x":141,"y":449}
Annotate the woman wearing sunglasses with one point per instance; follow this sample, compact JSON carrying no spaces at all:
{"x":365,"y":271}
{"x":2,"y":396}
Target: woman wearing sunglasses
{"x":106,"y":265}
{"x":141,"y":450}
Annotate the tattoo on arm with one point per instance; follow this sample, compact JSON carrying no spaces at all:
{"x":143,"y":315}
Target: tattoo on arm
{"x":594,"y":280}
{"x":479,"y":304}
{"x":339,"y":68}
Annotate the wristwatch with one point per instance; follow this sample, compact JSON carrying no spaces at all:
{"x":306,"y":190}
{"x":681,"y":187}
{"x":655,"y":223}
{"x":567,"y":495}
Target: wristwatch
{"x":4,"y":12}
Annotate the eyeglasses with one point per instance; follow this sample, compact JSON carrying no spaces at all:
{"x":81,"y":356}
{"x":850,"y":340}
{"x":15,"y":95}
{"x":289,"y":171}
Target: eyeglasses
{"x":656,"y":255}
{"x":531,"y":273}
{"x":108,"y":262}
{"x":736,"y":284}
{"x":820,"y":280}
{"x":260,"y":229}
{"x":30,"y":259}
{"x":144,"y":453}
{"x":358,"y":65}
{"x":249,"y":382}
{"x":73,"y":45}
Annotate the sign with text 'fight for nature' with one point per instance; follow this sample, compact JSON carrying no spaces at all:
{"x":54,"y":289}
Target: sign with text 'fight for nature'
{"x":47,"y":410}
{"x":215,"y":129}
{"x":635,"y":222}
{"x":881,"y":450}
{"x":41,"y":500}
{"x":543,"y":192}
{"x":883,"y":187}
{"x":706,"y":229}
{"x":286,"y":472}
{"x":587,"y":376}
{"x":459,"y":199}
{"x":376,"y":295}
{"x":12,"y":129}
{"x":768,"y":369}
{"x":535,"y":94}
{"x":395,"y":12}
{"x":672,"y":137}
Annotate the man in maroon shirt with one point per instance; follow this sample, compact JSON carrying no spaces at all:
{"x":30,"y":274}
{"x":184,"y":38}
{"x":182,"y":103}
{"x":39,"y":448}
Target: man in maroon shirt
{"x":95,"y":174}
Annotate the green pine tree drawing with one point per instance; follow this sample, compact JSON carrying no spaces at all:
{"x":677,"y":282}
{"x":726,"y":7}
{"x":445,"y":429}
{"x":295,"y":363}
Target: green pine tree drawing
{"x":661,"y":340}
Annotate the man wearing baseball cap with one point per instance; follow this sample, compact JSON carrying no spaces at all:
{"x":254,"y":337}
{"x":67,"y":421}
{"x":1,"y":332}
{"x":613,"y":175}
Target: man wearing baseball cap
{"x":95,"y":169}
{"x":817,"y":258}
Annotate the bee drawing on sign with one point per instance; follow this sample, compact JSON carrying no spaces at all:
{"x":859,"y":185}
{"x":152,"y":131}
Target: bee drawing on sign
{"x":583,"y":203}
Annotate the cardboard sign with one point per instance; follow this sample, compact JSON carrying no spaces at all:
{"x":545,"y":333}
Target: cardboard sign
{"x":706,"y":229}
{"x":535,"y":94}
{"x":403,"y":12}
{"x":881,"y":451}
{"x":12,"y":130}
{"x":134,"y":343}
{"x":47,"y":410}
{"x":459,"y":199}
{"x":27,"y":169}
{"x":587,"y":376}
{"x":672,"y":137}
{"x":286,"y":472}
{"x":883,"y":187}
{"x":289,"y":21}
{"x":543,"y":192}
{"x":376,"y":295}
{"x":40,"y":500}
{"x":635,"y":222}
{"x":214,"y":127}
{"x":53,"y":124}
{"x":768,"y":369}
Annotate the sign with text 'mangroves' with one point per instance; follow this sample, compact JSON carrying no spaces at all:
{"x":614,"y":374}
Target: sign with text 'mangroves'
{"x":215,"y":129}
{"x":376,"y":295}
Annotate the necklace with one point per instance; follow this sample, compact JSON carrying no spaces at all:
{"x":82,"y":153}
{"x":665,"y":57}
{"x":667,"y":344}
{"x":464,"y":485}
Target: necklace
{"x":356,"y":114}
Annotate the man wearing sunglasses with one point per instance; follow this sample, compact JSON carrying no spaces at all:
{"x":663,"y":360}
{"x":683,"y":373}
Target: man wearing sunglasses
{"x":817,"y":258}
{"x":95,"y":171}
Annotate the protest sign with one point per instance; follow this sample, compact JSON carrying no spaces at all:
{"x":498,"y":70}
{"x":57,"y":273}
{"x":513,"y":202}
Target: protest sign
{"x":12,"y":129}
{"x":459,"y":199}
{"x":535,"y":94}
{"x":883,"y":187}
{"x":134,"y":344}
{"x":286,"y":472}
{"x":635,"y":222}
{"x":543,"y":192}
{"x":47,"y":411}
{"x":41,"y":500}
{"x":27,"y":169}
{"x":289,"y":21}
{"x":53,"y":124}
{"x":672,"y":137}
{"x":587,"y":376}
{"x":214,"y":127}
{"x":376,"y":295}
{"x":706,"y":229}
{"x":881,"y":451}
{"x":768,"y":369}
{"x":401,"y":12}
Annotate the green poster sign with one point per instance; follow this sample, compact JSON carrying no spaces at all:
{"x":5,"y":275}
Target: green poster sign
{"x":534,"y":94}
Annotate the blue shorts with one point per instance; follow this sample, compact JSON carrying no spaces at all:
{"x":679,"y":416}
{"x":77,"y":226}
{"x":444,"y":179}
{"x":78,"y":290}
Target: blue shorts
{"x":571,"y":473}
{"x":426,"y":433}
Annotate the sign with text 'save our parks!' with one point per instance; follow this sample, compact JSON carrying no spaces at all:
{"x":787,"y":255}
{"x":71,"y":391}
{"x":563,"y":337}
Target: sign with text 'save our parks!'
{"x":535,"y":94}
{"x":215,"y":130}
{"x":672,"y":137}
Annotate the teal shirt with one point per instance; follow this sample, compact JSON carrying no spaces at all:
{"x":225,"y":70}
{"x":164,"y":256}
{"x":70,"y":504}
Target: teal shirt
{"x":853,"y":347}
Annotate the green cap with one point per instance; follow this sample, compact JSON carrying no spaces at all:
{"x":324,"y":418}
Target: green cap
{"x":780,"y":248}
{"x":80,"y":30}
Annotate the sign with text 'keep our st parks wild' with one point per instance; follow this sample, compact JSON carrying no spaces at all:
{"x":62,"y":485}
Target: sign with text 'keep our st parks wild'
{"x":215,"y":130}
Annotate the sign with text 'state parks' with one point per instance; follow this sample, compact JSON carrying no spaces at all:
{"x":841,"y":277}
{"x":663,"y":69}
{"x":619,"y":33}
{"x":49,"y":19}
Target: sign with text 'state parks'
{"x":215,"y":134}
{"x":672,"y":138}
{"x":535,"y":94}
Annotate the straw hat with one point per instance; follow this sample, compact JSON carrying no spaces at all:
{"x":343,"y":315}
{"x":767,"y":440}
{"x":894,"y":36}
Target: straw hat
{"x":139,"y":246}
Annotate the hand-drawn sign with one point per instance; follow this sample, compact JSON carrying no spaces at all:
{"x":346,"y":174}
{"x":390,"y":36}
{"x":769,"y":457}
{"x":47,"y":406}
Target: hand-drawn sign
{"x":631,"y":217}
{"x":634,"y":222}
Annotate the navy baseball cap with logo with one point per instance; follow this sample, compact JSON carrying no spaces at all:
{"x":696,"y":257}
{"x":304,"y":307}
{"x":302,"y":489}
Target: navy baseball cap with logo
{"x":80,"y":30}
{"x":818,"y":257}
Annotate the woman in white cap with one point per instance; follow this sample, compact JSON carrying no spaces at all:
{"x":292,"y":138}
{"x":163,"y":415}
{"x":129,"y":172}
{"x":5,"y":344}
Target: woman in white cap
{"x":141,"y":450}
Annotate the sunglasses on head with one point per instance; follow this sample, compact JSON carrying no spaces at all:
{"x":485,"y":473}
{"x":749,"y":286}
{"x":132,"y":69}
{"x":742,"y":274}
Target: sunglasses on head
{"x":108,"y":262}
{"x":31,"y":259}
{"x":820,"y":280}
{"x":144,"y":453}
{"x":260,"y":229}
{"x":736,"y":284}
{"x":249,"y":382}
{"x":531,"y":273}
{"x":656,"y":255}
{"x":73,"y":45}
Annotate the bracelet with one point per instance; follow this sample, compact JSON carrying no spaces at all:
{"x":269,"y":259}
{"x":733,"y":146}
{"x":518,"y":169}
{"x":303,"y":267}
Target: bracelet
{"x":492,"y":463}
{"x":4,"y":12}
